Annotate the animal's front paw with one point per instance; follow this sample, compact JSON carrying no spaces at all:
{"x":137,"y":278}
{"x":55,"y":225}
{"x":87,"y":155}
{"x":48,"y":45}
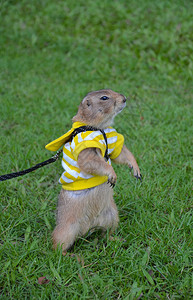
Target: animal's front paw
{"x":137,"y":173}
{"x":139,"y":177}
{"x":112,"y":178}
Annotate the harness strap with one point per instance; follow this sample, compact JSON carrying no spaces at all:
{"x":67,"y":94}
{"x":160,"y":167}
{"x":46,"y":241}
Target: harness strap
{"x":91,"y":128}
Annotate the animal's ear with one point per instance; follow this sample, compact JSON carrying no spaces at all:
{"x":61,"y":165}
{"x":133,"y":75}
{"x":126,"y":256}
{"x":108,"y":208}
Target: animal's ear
{"x":87,"y":103}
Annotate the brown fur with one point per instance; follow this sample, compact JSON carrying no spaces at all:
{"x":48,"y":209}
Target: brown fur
{"x":80,"y":211}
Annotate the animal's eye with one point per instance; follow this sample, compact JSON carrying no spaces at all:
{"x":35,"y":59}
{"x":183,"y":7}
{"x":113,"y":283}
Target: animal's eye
{"x":104,"y":98}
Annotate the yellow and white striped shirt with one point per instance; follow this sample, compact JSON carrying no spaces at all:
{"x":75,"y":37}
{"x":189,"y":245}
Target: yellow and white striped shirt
{"x":73,"y":178}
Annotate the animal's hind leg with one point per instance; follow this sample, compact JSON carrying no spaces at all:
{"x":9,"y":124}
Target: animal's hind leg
{"x":65,"y":235}
{"x":67,"y":228}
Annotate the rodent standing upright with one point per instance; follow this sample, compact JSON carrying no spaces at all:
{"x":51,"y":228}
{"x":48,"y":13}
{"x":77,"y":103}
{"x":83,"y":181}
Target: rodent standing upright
{"x":86,"y":198}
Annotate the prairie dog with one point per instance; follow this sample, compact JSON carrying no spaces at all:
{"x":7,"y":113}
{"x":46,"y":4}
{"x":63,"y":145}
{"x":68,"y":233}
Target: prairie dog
{"x":86,"y":199}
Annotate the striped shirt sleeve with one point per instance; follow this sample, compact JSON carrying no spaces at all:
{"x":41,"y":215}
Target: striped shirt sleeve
{"x":86,"y":140}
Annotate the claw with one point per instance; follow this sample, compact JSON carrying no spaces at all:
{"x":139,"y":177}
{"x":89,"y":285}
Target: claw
{"x":111,"y":183}
{"x":138,"y":177}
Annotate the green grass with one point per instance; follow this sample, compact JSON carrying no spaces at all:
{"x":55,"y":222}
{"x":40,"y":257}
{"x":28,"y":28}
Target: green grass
{"x":52,"y":53}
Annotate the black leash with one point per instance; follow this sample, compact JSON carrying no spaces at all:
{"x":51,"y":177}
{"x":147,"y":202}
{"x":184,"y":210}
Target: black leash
{"x":42,"y":164}
{"x":56,"y":156}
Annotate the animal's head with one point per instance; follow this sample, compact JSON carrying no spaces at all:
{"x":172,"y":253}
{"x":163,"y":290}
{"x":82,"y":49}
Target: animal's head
{"x":99,"y":108}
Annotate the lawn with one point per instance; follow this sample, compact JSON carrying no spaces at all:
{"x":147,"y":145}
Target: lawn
{"x":53,"y":53}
